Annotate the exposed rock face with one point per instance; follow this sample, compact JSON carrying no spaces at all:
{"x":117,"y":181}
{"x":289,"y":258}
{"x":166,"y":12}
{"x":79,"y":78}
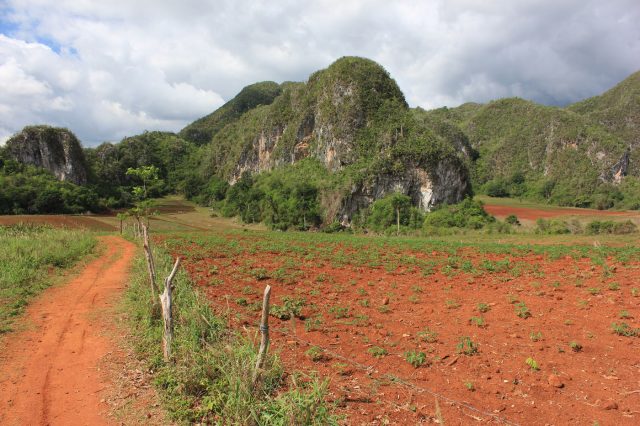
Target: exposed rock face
{"x":55,"y":149}
{"x":618,"y":170}
{"x":447,"y":183}
{"x":353,"y":118}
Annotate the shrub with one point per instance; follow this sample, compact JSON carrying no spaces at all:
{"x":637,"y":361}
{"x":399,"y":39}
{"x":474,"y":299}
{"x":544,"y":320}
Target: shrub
{"x":415,"y":358}
{"x":552,"y":227}
{"x":609,"y":227}
{"x":512,"y":220}
{"x":467,"y":346}
{"x":469,"y":214}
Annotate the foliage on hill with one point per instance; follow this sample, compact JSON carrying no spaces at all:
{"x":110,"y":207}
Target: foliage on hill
{"x":351,"y":117}
{"x":286,"y":198}
{"x":26,"y":189}
{"x":617,"y":109}
{"x":108,"y":165}
{"x":551,"y":154}
{"x":202,"y":130}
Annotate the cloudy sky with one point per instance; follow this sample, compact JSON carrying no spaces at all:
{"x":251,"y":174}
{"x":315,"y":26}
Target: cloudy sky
{"x":108,"y":69}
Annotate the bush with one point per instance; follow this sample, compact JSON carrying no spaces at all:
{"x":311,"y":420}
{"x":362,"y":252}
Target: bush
{"x":468,"y":214}
{"x":609,"y":227}
{"x":552,"y":227}
{"x":512,"y":220}
{"x":383,"y":214}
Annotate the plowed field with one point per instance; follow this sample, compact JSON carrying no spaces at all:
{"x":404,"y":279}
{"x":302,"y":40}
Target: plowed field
{"x":495,"y":333}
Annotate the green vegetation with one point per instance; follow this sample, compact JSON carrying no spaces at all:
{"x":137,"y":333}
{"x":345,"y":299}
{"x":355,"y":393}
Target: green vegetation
{"x":377,"y":351}
{"x":623,"y":329}
{"x":28,"y":189}
{"x":284,"y":173}
{"x":532,"y":363}
{"x":466,"y":346}
{"x":210,"y":378}
{"x":468,"y":214}
{"x":575,"y":346}
{"x":415,"y":358}
{"x":202,"y":130}
{"x":27,"y":253}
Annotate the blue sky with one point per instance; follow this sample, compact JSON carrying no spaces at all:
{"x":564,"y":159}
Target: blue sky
{"x":110,"y":69}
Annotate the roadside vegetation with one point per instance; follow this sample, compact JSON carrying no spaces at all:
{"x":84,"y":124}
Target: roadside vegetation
{"x":30,"y":257}
{"x":210,"y":378}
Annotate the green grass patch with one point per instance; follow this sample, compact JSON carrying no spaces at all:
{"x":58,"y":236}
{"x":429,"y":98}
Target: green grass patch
{"x":30,"y":256}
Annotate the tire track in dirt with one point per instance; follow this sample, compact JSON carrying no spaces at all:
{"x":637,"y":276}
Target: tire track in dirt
{"x":49,"y":373}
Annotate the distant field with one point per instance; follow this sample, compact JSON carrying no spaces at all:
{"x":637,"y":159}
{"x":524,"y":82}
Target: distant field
{"x":64,"y":221}
{"x":525,"y":210}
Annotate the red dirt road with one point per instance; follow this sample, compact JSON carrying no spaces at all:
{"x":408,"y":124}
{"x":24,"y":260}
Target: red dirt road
{"x":49,"y":373}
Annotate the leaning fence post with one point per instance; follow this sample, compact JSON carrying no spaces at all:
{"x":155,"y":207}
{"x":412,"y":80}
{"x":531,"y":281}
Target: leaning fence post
{"x":264,"y":330}
{"x":150,"y":264}
{"x":167,"y":316}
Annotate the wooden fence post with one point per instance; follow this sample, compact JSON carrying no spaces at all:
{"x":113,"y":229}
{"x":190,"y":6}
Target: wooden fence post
{"x":264,"y":330}
{"x":167,"y":314}
{"x":150,"y":264}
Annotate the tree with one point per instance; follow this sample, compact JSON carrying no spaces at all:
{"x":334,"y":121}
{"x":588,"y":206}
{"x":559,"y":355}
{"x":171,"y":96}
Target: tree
{"x":148,"y":175}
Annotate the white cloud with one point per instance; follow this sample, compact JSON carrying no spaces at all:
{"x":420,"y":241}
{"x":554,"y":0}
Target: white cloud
{"x":111,"y":69}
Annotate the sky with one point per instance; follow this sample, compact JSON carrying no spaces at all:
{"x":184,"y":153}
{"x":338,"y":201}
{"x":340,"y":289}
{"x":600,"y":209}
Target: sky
{"x":110,"y":69}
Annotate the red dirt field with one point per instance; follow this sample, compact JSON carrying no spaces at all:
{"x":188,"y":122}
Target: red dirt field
{"x":528,"y":213}
{"x":67,"y":221}
{"x":49,"y":373}
{"x":350,"y":310}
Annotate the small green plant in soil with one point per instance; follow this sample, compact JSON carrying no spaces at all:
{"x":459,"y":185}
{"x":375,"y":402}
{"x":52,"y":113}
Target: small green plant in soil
{"x":248,"y":290}
{"x":483,"y":307}
{"x":467,"y":346}
{"x":315,"y":354}
{"x":452,"y":304}
{"x":415,"y":358}
{"x":594,"y":291}
{"x":614,"y":286}
{"x":478,"y":321}
{"x":623,"y":329}
{"x":575,"y":346}
{"x":624,"y":314}
{"x":532,"y":363}
{"x":259,"y":274}
{"x":469,"y":385}
{"x":535,"y":336}
{"x":522,"y":311}
{"x":428,"y":335}
{"x":339,"y":311}
{"x":384,"y":309}
{"x":313,"y":324}
{"x":242,"y":301}
{"x":377,"y":351}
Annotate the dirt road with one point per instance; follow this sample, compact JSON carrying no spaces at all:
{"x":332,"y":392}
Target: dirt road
{"x":49,"y":373}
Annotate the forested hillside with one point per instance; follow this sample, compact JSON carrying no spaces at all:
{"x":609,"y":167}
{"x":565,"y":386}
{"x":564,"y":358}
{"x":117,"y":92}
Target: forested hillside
{"x":326,"y":150}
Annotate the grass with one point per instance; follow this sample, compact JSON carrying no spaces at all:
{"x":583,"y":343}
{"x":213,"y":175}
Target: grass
{"x":210,"y":378}
{"x":30,"y":257}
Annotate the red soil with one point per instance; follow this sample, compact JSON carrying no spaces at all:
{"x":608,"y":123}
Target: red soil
{"x":49,"y":373}
{"x":600,"y":382}
{"x":528,"y":213}
{"x":66,"y":221}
